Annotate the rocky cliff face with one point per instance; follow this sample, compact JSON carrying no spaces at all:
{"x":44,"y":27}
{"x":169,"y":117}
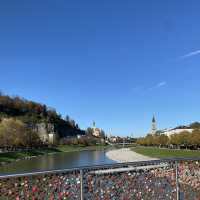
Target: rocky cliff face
{"x":45,"y":130}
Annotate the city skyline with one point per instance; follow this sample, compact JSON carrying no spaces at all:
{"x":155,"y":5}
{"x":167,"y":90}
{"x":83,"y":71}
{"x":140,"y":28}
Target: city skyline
{"x":118,"y":63}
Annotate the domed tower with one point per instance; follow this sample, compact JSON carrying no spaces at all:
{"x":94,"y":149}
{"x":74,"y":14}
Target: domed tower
{"x":153,"y":126}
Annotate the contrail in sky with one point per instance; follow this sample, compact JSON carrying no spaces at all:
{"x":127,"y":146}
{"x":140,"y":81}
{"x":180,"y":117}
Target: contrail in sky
{"x":193,"y":53}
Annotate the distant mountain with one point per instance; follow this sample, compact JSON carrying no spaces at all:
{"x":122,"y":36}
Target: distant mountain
{"x":34,"y":114}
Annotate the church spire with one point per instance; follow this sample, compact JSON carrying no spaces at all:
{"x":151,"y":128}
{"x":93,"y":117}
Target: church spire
{"x":153,"y":126}
{"x":153,"y":120}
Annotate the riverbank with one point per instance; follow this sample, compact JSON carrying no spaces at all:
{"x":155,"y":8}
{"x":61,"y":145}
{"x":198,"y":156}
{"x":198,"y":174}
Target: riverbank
{"x":126,"y":155}
{"x":20,"y":155}
{"x":156,"y":152}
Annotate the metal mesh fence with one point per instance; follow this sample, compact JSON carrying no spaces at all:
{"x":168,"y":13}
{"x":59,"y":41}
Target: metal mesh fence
{"x":51,"y":186}
{"x":189,"y":179}
{"x":157,"y":180}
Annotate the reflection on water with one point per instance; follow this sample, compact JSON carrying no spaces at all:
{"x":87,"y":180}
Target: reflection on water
{"x":57,"y":161}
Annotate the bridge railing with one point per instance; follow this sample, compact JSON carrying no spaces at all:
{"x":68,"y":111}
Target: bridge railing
{"x":157,"y":179}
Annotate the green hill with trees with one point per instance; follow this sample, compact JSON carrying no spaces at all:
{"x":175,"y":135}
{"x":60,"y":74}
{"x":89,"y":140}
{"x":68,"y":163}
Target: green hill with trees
{"x":20,"y":118}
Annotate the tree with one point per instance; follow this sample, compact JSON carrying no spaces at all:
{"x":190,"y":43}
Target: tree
{"x":195,"y":125}
{"x":184,"y":138}
{"x":141,"y":141}
{"x":149,"y":140}
{"x":14,"y":133}
{"x":195,"y":137}
{"x":89,"y":131}
{"x":163,"y":140}
{"x":67,"y":118}
{"x":174,"y":139}
{"x":77,"y":126}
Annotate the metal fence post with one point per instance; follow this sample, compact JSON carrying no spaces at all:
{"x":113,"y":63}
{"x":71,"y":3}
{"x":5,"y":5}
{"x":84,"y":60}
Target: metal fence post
{"x":177,"y":182}
{"x":81,"y":181}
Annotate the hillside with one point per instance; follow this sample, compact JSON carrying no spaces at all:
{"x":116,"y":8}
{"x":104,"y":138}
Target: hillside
{"x":33,"y":113}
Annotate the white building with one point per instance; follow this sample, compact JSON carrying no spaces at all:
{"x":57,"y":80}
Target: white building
{"x":176,"y":131}
{"x":96,"y":131}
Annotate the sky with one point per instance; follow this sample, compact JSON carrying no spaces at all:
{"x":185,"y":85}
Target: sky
{"x":112,"y":61}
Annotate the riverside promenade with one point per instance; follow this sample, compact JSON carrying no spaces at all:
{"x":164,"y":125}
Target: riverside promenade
{"x":126,"y":155}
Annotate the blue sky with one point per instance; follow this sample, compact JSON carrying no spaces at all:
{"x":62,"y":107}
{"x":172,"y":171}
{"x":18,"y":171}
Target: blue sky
{"x":115,"y":62}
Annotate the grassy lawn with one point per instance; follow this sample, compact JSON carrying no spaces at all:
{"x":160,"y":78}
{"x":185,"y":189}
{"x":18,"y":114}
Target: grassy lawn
{"x":165,"y":153}
{"x":12,"y":156}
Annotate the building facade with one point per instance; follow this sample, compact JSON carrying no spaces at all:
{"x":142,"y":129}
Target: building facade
{"x":97,"y":132}
{"x":177,"y":131}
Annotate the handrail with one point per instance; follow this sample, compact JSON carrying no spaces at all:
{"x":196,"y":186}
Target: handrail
{"x":95,"y":167}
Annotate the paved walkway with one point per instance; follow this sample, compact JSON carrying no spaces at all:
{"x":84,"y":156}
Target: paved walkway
{"x":126,"y":155}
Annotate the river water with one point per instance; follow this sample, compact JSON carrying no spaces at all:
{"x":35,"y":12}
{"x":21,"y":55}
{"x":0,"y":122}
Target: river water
{"x":57,"y":161}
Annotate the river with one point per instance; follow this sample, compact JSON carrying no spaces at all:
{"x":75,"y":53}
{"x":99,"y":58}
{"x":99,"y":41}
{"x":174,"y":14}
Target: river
{"x":57,"y":161}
